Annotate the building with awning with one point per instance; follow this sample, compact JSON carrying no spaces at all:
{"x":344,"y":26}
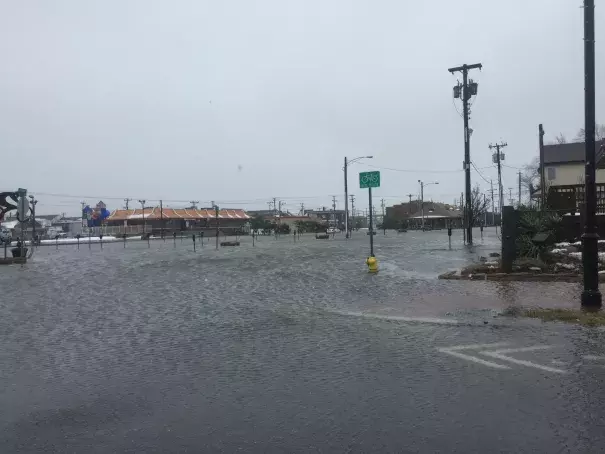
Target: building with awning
{"x":436,"y":216}
{"x":157,"y":219}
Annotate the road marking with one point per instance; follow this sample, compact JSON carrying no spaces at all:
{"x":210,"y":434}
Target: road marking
{"x":594,"y":357}
{"x":501,"y":355}
{"x":455,"y":351}
{"x":401,"y":318}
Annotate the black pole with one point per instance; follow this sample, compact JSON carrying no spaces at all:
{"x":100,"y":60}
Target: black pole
{"x":542,"y":180}
{"x":162,"y":220}
{"x":193,"y":236}
{"x":346,"y":201}
{"x":217,"y":225}
{"x":591,"y":296}
{"x":371,"y":224}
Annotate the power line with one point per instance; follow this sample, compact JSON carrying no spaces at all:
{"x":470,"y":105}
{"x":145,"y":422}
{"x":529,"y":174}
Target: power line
{"x":415,"y":170}
{"x":480,"y":174}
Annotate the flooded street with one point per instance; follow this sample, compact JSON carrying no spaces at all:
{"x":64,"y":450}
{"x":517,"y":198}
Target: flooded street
{"x":289,"y":347}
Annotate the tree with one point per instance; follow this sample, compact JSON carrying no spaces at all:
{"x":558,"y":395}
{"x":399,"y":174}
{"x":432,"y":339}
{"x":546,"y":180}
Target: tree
{"x":259,"y":223}
{"x":479,"y":204}
{"x":560,"y":139}
{"x":599,"y":134}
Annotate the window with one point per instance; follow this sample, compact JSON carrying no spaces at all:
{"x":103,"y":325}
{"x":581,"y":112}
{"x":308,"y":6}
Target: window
{"x":552,"y":174}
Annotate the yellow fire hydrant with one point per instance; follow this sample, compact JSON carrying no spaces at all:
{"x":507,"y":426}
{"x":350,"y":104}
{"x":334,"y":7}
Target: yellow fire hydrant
{"x":372,"y":264}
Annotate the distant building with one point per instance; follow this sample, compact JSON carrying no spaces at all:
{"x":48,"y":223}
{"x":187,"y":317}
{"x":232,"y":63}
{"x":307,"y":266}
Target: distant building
{"x":154,"y":220}
{"x":332,"y":217}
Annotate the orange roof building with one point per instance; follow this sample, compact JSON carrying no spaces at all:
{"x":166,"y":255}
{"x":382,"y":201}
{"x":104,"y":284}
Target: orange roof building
{"x":174,"y":214}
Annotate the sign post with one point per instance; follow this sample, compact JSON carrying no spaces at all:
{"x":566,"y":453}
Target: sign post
{"x":370,"y":180}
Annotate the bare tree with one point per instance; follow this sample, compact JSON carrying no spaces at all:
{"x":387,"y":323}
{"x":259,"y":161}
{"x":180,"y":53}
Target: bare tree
{"x":530,"y":178}
{"x":480,"y":203}
{"x":560,"y":139}
{"x":599,"y":134}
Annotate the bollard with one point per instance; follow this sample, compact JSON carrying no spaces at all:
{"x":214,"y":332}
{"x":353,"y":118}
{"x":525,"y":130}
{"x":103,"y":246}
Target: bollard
{"x":101,"y":239}
{"x":174,"y":237}
{"x":89,"y":240}
{"x":78,"y":238}
{"x":509,"y":229}
{"x":181,"y":236}
{"x":56,"y":242}
{"x":449,"y":235}
{"x":481,"y":228}
{"x":148,"y":239}
{"x":124,"y":237}
{"x":193,"y":237}
{"x":202,"y":238}
{"x":253,"y":238}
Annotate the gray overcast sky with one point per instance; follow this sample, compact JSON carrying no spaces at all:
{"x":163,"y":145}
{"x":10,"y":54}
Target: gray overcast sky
{"x":240,"y":101}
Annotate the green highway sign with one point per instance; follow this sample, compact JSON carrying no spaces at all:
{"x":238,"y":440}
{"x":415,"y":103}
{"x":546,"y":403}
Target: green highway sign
{"x":369,"y":179}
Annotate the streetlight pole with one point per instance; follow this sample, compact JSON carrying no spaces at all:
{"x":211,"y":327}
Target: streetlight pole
{"x":142,"y":202}
{"x":347,"y":163}
{"x":422,"y":185}
{"x":591,"y":296}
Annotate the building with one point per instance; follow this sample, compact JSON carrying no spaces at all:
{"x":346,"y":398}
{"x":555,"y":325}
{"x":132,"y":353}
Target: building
{"x":564,"y":164}
{"x":402,"y":211}
{"x":564,"y":168}
{"x":335,"y":218}
{"x":155,"y":220}
{"x":436,"y":216}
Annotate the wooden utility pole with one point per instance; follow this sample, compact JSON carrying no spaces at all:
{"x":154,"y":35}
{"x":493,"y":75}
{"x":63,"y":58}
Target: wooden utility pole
{"x":466,"y":90}
{"x":519,"y":188}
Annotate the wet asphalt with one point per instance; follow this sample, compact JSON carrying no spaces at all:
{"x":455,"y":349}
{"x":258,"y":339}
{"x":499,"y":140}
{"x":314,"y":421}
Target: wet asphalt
{"x":289,"y":347}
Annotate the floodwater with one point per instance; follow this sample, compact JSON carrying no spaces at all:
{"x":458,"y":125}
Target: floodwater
{"x":280,"y":347}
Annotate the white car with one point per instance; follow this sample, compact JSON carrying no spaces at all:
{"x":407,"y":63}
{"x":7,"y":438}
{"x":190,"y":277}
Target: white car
{"x":332,"y":230}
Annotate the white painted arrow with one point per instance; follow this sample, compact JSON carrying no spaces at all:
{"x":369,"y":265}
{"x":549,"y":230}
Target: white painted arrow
{"x":455,"y":351}
{"x":502,"y":355}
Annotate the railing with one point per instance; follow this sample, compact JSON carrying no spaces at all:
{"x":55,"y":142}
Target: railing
{"x":116,"y":230}
{"x":571,"y":197}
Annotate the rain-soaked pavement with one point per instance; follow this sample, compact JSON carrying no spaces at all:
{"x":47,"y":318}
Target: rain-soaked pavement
{"x":289,"y":347}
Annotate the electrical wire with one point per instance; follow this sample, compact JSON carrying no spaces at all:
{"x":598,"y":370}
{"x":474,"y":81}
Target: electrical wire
{"x":480,"y":174}
{"x":416,"y":170}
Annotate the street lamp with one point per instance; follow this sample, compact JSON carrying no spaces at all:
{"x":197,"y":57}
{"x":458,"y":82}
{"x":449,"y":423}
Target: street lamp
{"x":422,"y":185}
{"x":347,"y":163}
{"x":142,"y":202}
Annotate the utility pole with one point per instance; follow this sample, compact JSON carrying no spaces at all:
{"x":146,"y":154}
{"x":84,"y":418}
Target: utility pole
{"x":83,"y":203}
{"x":463,"y":217}
{"x":519,"y":203}
{"x":162,"y":220}
{"x":542,"y":180}
{"x":142,"y":202}
{"x":274,"y":206}
{"x":281,"y":202}
{"x":491,"y":183}
{"x":194,"y":204}
{"x":484,"y":209}
{"x":127,"y":200}
{"x":302,"y":209}
{"x":346,"y":200}
{"x":467,"y":89}
{"x":410,"y":203}
{"x":333,"y":212}
{"x":33,"y":204}
{"x":510,"y":195}
{"x":591,"y":296}
{"x":384,"y":229}
{"x":352,"y":215}
{"x":497,"y":158}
